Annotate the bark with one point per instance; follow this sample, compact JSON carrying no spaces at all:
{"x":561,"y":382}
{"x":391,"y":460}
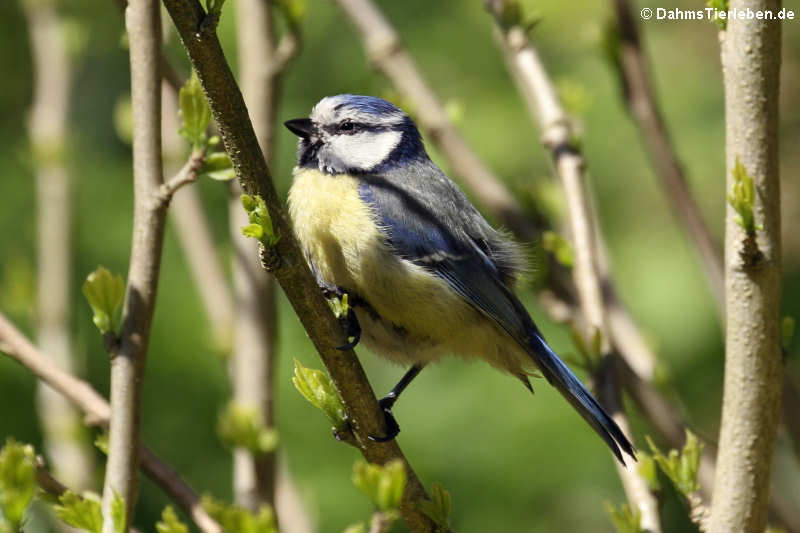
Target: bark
{"x":142,"y":20}
{"x":751,"y":54}
{"x":546,"y":110}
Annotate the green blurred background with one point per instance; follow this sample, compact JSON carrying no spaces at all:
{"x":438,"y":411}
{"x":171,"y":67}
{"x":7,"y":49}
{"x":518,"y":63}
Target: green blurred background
{"x":511,"y":461}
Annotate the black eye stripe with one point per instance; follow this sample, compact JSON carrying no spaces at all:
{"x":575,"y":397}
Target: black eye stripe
{"x":358,"y":127}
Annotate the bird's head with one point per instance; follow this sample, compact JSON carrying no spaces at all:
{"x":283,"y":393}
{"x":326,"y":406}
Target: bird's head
{"x":356,"y":134}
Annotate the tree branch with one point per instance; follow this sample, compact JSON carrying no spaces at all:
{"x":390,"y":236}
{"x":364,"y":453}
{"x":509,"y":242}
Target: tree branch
{"x":186,"y":175}
{"x":641,"y":102}
{"x":142,"y":18}
{"x":290,"y":268}
{"x":63,"y":440}
{"x":261,"y":69}
{"x":98,"y":413}
{"x":194,"y":232}
{"x":751,"y":55}
{"x":569,"y":164}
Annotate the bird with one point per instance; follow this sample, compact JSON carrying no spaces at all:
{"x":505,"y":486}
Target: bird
{"x":425,"y":274}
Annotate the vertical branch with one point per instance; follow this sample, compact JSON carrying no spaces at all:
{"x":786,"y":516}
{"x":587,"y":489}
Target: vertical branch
{"x":252,"y":361}
{"x":285,"y":258}
{"x":642,"y":105}
{"x":641,"y":102}
{"x":546,"y":109}
{"x":751,"y":55}
{"x":142,"y":20}
{"x":64,"y":440}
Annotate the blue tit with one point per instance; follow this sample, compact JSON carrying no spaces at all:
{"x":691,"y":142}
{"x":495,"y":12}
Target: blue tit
{"x":426,"y":275}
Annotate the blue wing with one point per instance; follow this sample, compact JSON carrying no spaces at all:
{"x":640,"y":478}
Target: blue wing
{"x":416,"y":233}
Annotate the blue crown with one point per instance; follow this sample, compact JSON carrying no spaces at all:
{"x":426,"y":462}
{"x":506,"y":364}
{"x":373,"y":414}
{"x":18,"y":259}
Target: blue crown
{"x":367,"y":104}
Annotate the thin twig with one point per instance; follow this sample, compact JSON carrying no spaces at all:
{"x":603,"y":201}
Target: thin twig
{"x":186,"y":175}
{"x":143,"y":22}
{"x":289,"y":266}
{"x":63,"y":441}
{"x":45,"y":479}
{"x":194,"y":231}
{"x":98,"y":413}
{"x":254,"y":349}
{"x":569,"y":164}
{"x":751,"y":57}
{"x":641,"y":101}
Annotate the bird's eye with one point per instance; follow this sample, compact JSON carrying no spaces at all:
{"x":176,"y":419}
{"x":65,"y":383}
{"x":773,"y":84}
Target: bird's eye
{"x":346,"y":126}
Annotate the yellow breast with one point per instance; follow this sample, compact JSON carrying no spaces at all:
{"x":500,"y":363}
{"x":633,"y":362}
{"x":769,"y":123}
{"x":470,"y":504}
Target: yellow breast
{"x":333,"y":225}
{"x":338,"y":232}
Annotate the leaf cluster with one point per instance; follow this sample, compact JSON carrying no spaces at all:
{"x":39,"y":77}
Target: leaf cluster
{"x":680,"y":467}
{"x":260,"y":226}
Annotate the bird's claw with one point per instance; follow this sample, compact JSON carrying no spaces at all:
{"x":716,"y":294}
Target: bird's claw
{"x":392,"y":427}
{"x":351,"y":328}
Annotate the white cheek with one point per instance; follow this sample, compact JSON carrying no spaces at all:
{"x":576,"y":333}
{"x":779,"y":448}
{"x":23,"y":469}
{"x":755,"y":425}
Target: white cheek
{"x":365,"y":150}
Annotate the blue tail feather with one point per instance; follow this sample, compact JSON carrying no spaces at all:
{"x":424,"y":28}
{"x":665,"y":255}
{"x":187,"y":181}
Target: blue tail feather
{"x":561,"y":377}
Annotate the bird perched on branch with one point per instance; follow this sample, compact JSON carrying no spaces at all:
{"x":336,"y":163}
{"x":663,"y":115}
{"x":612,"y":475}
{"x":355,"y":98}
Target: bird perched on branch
{"x":425,"y":274}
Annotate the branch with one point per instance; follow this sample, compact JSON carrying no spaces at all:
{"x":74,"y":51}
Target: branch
{"x":261,"y":66}
{"x":64,"y":443}
{"x":143,"y":23}
{"x":569,"y":164}
{"x":641,"y":101}
{"x":45,"y":479}
{"x":170,"y":75}
{"x":636,"y":487}
{"x":642,"y":106}
{"x":186,"y":175}
{"x":194,"y":231}
{"x":290,"y":268}
{"x":751,"y":55}
{"x":98,"y":413}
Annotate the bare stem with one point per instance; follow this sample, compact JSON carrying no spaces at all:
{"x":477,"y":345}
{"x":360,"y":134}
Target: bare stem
{"x":547,"y":111}
{"x":252,"y":361}
{"x":641,"y":102}
{"x":194,"y":231}
{"x":98,"y":413}
{"x":64,"y":442}
{"x":751,"y":55}
{"x":290,"y":268}
{"x":186,"y":175}
{"x":143,"y":23}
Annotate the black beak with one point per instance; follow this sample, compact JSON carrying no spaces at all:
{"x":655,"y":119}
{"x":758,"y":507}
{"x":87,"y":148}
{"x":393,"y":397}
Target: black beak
{"x":302,"y":127}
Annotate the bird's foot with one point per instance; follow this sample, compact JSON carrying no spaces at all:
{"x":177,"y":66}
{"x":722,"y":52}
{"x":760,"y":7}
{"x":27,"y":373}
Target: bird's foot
{"x":392,"y":427}
{"x":352,"y":328}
